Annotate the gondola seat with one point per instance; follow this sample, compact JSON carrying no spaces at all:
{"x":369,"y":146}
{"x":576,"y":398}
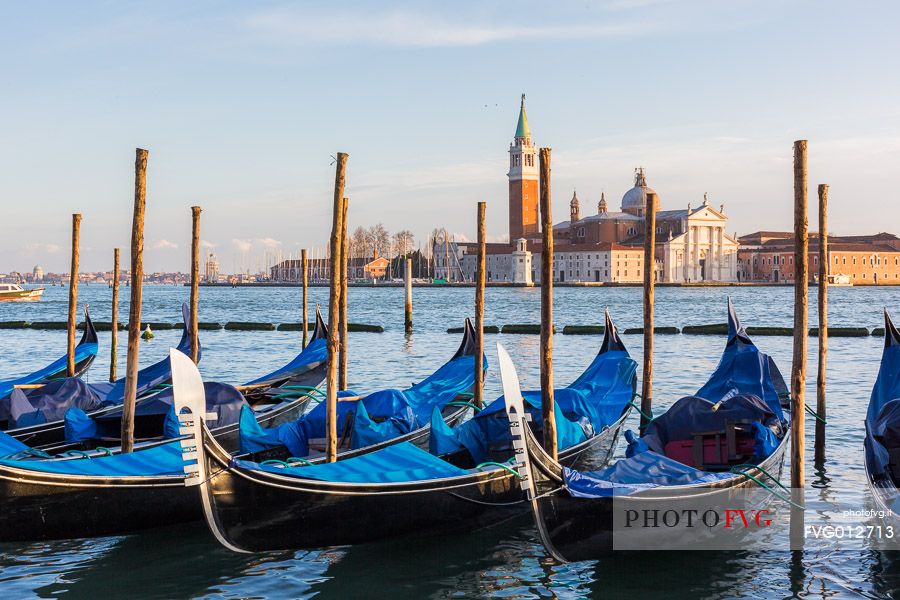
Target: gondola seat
{"x":715,"y":436}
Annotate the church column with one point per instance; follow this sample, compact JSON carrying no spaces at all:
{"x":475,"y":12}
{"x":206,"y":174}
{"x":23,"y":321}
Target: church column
{"x":698,"y":271}
{"x":721,"y":240}
{"x":686,"y":254}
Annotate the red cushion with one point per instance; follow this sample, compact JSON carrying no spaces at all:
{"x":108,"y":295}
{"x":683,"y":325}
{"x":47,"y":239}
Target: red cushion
{"x":683,"y":450}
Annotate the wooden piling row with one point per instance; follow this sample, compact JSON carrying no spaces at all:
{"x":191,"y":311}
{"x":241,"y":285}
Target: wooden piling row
{"x":73,"y":295}
{"x":345,"y":251}
{"x":649,"y":283}
{"x":823,"y":322}
{"x":407,"y":308}
{"x":195,"y":283}
{"x":801,"y":315}
{"x":547,"y":400}
{"x":334,"y":306}
{"x":479,"y":306}
{"x":114,"y":321}
{"x":134,"y":309}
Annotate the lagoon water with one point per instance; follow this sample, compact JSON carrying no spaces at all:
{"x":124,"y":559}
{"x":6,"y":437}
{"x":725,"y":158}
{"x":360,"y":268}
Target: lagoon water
{"x":506,"y":561}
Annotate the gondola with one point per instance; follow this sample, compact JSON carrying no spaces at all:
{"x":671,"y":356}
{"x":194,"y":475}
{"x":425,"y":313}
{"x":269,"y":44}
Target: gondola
{"x":36,"y":416}
{"x":702,"y":451}
{"x":306,"y":370}
{"x":85,"y":353}
{"x":373,"y":421}
{"x":882,"y":442}
{"x":399,"y":489}
{"x":105,"y":492}
{"x":155,"y":417}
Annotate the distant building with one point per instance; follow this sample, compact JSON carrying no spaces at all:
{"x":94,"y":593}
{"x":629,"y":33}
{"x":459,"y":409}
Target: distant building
{"x":691,"y":243}
{"x":211,"y":271}
{"x":37,"y":275}
{"x":768,"y":257}
{"x":291,"y":271}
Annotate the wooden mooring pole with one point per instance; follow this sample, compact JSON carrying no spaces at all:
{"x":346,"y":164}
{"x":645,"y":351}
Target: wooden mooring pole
{"x":195,"y":283}
{"x":134,"y":308}
{"x":304,"y":273}
{"x":114,"y":320}
{"x":547,"y":401}
{"x":801,"y":315}
{"x":334,"y":308}
{"x":649,"y":285}
{"x":73,"y":295}
{"x":345,"y":250}
{"x":824,"y":268}
{"x":407,"y":310}
{"x":478,"y":398}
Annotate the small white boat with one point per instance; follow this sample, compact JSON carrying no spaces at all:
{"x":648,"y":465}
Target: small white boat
{"x":13,"y":292}
{"x":839,"y":280}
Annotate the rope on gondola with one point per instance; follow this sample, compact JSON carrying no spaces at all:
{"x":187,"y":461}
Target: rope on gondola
{"x":502,"y":466}
{"x":736,"y":470}
{"x":79,"y":453}
{"x":647,"y":417}
{"x":462,"y":403}
{"x":512,"y":503}
{"x":107,"y":451}
{"x":287,"y":464}
{"x":813,"y":413}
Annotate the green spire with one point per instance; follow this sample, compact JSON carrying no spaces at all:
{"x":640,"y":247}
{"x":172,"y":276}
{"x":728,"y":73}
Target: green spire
{"x":522,"y":129}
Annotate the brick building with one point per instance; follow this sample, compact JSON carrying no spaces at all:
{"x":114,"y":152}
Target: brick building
{"x":768,"y":256}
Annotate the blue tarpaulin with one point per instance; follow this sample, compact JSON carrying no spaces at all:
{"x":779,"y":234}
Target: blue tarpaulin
{"x":643,"y":471}
{"x":86,"y":349}
{"x":313,"y":356}
{"x":385,"y":414}
{"x":594,"y":401}
{"x":50,"y":402}
{"x":158,"y":460}
{"x":742,"y":390}
{"x":394,"y":464}
{"x":883,"y":414}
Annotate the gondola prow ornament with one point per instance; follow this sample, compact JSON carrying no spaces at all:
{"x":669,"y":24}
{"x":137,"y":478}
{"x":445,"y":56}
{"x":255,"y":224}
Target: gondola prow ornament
{"x":190,"y":406}
{"x":518,"y":420}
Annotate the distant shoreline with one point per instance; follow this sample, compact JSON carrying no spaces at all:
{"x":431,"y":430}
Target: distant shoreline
{"x":558,"y":284}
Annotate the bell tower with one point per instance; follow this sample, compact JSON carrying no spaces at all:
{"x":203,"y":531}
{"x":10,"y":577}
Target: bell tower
{"x":523,"y":182}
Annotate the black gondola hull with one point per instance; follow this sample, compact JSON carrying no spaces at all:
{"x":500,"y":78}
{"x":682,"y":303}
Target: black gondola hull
{"x":259,"y":511}
{"x":583,"y":528}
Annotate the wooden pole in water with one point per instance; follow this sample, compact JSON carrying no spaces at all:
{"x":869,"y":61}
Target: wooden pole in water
{"x":114,"y":321}
{"x":334,"y":309}
{"x":407,"y":312}
{"x":304,"y":275}
{"x":345,"y":250}
{"x":823,"y":321}
{"x":547,"y":401}
{"x":195,"y":283}
{"x":801,"y":315}
{"x":479,"y":308}
{"x":649,"y":284}
{"x":134,"y":309}
{"x":73,"y":295}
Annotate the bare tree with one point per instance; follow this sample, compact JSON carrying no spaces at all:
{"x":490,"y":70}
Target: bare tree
{"x":379,"y":239}
{"x":359,"y":243}
{"x":403,"y":242}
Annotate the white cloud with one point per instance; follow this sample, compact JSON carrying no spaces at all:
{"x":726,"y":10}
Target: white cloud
{"x":268,"y":243}
{"x":242,"y":245}
{"x":164,"y":245}
{"x":32,"y":249}
{"x":410,"y":29}
{"x":207,"y":244}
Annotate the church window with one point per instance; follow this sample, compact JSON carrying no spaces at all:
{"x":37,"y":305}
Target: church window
{"x":854,"y":260}
{"x":864,"y":260}
{"x":895,"y":261}
{"x":844,"y":260}
{"x":835,"y":260}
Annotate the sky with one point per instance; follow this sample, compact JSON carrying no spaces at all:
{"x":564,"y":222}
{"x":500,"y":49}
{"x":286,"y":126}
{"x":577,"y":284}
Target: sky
{"x":242,"y":106}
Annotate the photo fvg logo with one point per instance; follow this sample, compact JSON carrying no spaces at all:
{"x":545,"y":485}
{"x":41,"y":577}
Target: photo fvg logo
{"x":726,"y":518}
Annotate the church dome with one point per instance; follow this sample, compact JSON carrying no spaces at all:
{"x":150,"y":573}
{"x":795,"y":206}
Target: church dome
{"x":635,"y":199}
